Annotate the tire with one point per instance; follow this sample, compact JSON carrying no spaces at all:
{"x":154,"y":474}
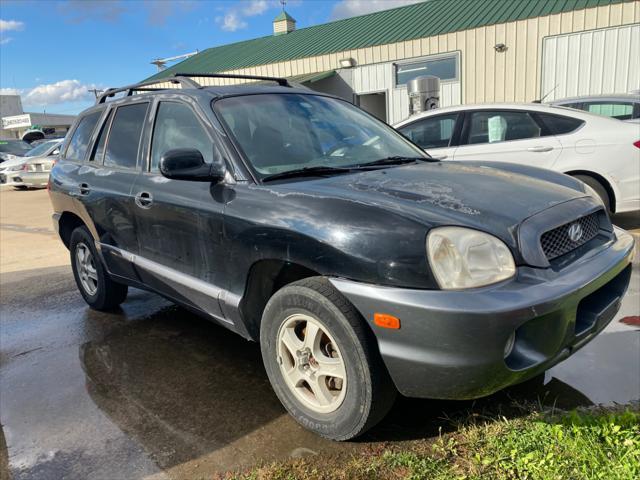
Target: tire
{"x":599,"y":188}
{"x":95,"y":285}
{"x":344,"y":408}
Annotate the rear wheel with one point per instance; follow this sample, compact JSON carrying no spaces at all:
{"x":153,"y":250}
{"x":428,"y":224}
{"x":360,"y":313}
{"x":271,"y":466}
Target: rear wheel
{"x":93,"y":281}
{"x":322,"y":360}
{"x":598,"y":187}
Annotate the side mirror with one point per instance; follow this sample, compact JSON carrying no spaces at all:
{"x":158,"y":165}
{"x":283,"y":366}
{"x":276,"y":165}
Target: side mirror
{"x":188,"y":164}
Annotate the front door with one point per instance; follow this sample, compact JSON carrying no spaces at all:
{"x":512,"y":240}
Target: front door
{"x":179,"y":222}
{"x":507,"y":136}
{"x":435,"y":134}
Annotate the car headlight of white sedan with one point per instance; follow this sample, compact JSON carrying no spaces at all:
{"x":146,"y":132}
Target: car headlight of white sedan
{"x":466,"y":258}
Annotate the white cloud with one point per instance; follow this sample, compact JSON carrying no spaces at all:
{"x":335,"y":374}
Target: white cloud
{"x":8,"y":25}
{"x":352,"y":8}
{"x":78,"y":11}
{"x":54,"y":93}
{"x":233,"y":20}
{"x":255,"y":7}
{"x":5,"y":40}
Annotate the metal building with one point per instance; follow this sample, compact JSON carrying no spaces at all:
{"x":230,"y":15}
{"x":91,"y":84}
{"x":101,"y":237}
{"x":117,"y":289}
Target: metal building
{"x":482,"y":50}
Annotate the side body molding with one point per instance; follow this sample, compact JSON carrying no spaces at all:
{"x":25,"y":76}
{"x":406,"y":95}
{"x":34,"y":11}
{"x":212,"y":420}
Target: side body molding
{"x":216,"y":302}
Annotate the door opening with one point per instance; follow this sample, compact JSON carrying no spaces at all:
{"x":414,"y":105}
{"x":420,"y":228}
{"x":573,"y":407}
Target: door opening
{"x":375,"y":104}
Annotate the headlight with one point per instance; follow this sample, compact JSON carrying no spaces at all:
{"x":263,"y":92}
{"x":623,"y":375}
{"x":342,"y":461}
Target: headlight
{"x":592,"y":193}
{"x":466,"y":258}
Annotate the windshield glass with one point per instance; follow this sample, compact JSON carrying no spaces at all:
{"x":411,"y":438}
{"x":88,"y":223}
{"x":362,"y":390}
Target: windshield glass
{"x":14,"y":147}
{"x":284,"y":132}
{"x":41,"y":149}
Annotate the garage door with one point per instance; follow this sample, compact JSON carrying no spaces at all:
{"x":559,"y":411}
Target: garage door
{"x":593,"y":62}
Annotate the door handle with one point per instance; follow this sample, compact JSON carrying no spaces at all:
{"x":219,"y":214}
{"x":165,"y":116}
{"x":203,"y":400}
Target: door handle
{"x":84,"y":189}
{"x":144,"y":199}
{"x":540,"y":149}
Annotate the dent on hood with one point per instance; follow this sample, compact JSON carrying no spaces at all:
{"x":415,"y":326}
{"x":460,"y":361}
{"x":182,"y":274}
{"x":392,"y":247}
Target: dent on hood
{"x":422,"y":191}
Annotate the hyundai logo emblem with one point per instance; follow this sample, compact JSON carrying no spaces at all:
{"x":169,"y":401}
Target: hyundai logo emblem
{"x":575,"y":232}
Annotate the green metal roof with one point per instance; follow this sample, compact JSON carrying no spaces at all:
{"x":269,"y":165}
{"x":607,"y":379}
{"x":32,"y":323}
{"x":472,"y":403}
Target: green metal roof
{"x":426,"y":19}
{"x":284,"y":16}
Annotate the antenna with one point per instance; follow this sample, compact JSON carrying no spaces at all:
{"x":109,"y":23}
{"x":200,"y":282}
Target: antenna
{"x":95,"y":91}
{"x":547,"y":94}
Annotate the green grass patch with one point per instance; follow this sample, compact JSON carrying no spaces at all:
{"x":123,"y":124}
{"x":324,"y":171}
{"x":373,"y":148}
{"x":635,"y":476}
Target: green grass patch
{"x":596,"y":444}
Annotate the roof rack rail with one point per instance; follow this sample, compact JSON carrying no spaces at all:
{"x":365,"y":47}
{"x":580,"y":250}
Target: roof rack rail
{"x":283,"y":82}
{"x":144,"y":87}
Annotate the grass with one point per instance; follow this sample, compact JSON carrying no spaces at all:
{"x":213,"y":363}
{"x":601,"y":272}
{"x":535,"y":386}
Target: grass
{"x":576,"y":445}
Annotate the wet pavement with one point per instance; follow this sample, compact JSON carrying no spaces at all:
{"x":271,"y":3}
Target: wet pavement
{"x":153,"y":391}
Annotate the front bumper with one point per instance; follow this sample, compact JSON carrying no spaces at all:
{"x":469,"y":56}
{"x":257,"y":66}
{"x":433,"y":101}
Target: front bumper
{"x":451,"y":344}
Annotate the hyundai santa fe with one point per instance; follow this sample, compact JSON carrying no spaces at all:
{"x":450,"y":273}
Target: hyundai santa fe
{"x":361,"y":265}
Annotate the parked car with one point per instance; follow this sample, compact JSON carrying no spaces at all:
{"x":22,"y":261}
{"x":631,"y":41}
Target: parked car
{"x":32,"y":169}
{"x":602,"y":152}
{"x":362,"y":268}
{"x":12,"y":149}
{"x":620,"y":106}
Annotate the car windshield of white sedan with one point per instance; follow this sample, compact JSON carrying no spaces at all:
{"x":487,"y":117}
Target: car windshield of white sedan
{"x":284,"y":132}
{"x":14,"y":147}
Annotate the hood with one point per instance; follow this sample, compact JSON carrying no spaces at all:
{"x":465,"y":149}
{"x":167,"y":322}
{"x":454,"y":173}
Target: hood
{"x":445,"y":193}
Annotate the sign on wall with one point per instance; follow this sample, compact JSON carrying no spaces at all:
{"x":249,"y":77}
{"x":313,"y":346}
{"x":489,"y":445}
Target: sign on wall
{"x":16,"y":121}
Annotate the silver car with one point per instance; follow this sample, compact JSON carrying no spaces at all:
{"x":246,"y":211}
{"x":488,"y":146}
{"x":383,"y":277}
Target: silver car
{"x":621,"y":106}
{"x":32,"y":170}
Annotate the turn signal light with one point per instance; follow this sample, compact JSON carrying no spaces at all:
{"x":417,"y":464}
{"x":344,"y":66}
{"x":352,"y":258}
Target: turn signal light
{"x":386,"y":321}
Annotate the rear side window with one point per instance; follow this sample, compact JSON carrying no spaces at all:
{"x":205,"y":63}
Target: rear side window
{"x":502,"y":126}
{"x":79,"y":142}
{"x":98,"y":149}
{"x":124,"y":137}
{"x":177,"y":126}
{"x":435,"y":132}
{"x":559,"y":124}
{"x":619,"y":110}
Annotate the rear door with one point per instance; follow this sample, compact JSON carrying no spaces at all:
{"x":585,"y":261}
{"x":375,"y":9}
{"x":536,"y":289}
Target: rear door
{"x":436,"y":134}
{"x":514,"y":136}
{"x":179,"y":223}
{"x":106,"y":180}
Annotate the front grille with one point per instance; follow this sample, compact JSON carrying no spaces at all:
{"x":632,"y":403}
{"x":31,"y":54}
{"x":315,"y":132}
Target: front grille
{"x":567,"y":237}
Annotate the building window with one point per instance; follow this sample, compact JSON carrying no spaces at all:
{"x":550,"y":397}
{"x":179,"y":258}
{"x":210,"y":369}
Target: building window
{"x":445,"y":68}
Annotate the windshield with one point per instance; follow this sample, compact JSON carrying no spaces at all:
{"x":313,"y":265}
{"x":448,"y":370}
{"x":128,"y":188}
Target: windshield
{"x":14,"y":147}
{"x":284,"y":132}
{"x":41,"y":149}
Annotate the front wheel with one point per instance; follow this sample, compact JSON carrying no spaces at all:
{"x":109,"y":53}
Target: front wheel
{"x":95,"y":285}
{"x":322,"y":360}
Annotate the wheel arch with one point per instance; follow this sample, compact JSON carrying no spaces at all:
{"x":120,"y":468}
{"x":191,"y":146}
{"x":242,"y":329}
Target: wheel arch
{"x":266,"y":277}
{"x":67,"y":223}
{"x":606,"y":184}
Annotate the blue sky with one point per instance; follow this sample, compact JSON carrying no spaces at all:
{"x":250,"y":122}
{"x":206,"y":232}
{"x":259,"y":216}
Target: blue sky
{"x":52,"y":51}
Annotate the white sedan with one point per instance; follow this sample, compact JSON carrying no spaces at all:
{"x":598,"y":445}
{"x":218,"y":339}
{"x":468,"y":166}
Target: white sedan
{"x":602,"y":152}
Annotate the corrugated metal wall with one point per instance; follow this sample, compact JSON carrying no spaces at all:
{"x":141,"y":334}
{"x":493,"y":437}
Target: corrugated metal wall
{"x":595,"y":62}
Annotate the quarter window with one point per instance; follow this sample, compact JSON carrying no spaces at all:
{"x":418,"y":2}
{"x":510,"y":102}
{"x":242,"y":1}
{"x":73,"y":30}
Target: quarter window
{"x":559,"y":124}
{"x":124,"y":138}
{"x":493,"y":127}
{"x":177,"y":126}
{"x":79,"y":142}
{"x":443,"y":68}
{"x":98,"y":150}
{"x":435,"y":132}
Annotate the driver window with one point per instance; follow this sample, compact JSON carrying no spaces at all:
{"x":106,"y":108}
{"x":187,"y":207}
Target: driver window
{"x":177,"y":126}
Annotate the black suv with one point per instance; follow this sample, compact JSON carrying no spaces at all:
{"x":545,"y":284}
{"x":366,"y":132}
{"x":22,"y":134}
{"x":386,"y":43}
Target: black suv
{"x":362,"y":266}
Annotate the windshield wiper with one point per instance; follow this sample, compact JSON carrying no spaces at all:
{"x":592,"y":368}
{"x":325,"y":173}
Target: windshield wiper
{"x":394,"y":160}
{"x":307,"y":172}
